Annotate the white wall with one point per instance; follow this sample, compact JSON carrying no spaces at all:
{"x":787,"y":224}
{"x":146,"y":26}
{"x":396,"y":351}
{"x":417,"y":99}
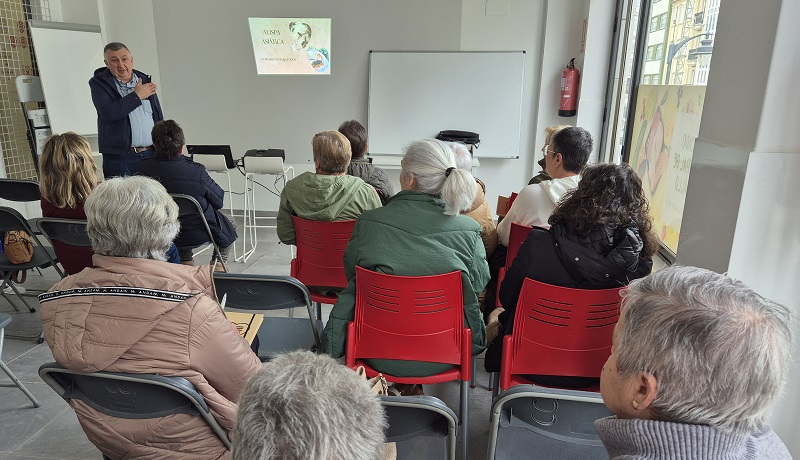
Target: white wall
{"x":132,"y":24}
{"x":521,"y":28}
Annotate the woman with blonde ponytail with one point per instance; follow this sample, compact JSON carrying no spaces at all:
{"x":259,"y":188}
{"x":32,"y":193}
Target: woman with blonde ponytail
{"x":419,"y":232}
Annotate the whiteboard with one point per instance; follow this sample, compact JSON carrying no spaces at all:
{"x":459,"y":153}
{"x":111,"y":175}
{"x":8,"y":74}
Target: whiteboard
{"x":414,"y":95}
{"x":67,"y":56}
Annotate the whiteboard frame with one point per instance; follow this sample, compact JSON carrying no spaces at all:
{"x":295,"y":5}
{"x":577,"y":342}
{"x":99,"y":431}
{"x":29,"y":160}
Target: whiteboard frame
{"x":498,"y":142}
{"x":63,"y":104}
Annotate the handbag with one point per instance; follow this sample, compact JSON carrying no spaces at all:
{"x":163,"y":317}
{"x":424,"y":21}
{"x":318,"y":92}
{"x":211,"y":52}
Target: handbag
{"x":18,"y":247}
{"x":379,"y":386}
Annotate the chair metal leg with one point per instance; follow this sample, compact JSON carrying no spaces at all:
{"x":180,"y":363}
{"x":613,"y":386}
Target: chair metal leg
{"x":495,"y":379}
{"x":13,"y":287}
{"x":14,"y":379}
{"x":474,"y":365}
{"x":464,"y":416}
{"x":17,"y":384}
{"x":8,"y":299}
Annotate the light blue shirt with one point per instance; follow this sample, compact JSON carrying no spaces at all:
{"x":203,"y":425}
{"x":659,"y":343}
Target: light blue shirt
{"x":141,"y":117}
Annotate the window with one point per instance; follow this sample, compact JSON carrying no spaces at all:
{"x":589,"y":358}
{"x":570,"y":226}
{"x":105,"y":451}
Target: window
{"x":658,"y":22}
{"x":651,"y":53}
{"x":659,"y":51}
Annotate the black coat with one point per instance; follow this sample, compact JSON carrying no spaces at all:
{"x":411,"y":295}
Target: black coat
{"x":606,"y":258}
{"x":184,"y":176}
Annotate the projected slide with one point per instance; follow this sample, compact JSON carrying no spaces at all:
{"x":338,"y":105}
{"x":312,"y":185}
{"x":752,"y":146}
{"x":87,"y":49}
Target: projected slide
{"x":288,"y":46}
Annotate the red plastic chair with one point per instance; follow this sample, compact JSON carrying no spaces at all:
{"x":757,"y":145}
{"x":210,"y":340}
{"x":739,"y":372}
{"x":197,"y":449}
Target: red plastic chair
{"x":320,"y":254}
{"x":516,"y":237}
{"x":414,"y":318}
{"x":559,"y":331}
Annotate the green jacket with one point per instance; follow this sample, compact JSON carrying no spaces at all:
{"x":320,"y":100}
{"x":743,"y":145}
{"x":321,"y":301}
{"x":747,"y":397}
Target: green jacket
{"x":320,"y":197}
{"x":411,"y":236}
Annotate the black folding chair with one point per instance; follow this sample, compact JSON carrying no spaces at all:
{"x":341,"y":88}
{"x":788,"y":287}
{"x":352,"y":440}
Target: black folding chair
{"x":21,"y":191}
{"x":68,"y":231}
{"x":189,"y":208}
{"x":261,"y":293}
{"x":422,"y":426}
{"x":43,"y":257}
{"x":131,"y":396}
{"x":545,"y":423}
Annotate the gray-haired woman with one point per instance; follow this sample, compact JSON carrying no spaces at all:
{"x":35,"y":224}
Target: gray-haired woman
{"x":135,"y":313}
{"x":419,"y":232}
{"x":696,"y":361}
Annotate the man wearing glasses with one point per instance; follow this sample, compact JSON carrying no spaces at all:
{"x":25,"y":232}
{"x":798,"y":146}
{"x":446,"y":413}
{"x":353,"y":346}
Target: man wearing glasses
{"x":564,"y":159}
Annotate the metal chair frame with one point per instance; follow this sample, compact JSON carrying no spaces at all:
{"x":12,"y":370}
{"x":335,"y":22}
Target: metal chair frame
{"x":11,"y":219}
{"x":505,"y":414}
{"x":188,"y":206}
{"x":417,"y":416}
{"x":185,"y":399}
{"x":272,"y":166}
{"x":5,"y":320}
{"x":260,"y":293}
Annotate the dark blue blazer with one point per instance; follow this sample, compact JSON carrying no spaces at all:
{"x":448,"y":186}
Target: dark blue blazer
{"x":113,"y":124}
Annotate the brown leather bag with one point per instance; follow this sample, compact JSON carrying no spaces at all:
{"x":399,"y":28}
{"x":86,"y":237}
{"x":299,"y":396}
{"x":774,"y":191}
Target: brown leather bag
{"x":18,"y":247}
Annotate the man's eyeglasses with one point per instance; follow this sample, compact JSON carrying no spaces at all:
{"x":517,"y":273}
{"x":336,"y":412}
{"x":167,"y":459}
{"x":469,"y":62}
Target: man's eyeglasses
{"x":545,"y":150}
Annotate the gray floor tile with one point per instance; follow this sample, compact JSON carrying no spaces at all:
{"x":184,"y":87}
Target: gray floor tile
{"x":61,"y":438}
{"x":20,"y":420}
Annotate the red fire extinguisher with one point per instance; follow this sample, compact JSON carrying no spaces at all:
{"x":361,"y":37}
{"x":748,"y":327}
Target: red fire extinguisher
{"x":570,"y":77}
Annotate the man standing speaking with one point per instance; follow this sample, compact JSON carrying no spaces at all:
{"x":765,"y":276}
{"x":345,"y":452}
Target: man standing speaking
{"x":127,"y":108}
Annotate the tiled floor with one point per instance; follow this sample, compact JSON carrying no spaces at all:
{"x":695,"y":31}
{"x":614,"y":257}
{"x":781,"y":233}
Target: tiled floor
{"x":52,"y":430}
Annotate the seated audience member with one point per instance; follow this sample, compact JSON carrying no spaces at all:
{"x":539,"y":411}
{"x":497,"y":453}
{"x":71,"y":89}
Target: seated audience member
{"x":697,"y":360}
{"x":180,"y":175}
{"x":600,"y":238}
{"x":419,"y":232}
{"x":359,"y":165}
{"x":479,"y":210}
{"x":67,"y":174}
{"x":136,"y":313}
{"x":329,"y":193}
{"x":548,"y":138}
{"x":564,"y":158}
{"x":304,"y":406}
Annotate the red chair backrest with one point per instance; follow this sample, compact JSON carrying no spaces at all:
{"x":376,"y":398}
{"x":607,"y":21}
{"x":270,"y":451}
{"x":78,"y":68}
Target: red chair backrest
{"x":416,"y":318}
{"x":516,"y":237}
{"x":320,"y":251}
{"x":560,"y":331}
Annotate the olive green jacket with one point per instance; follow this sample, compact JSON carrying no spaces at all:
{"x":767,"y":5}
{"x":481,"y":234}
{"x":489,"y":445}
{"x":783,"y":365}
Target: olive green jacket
{"x":322,"y":197}
{"x":411,"y":236}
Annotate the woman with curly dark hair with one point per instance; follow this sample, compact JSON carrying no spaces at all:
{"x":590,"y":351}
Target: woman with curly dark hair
{"x":600,"y":237}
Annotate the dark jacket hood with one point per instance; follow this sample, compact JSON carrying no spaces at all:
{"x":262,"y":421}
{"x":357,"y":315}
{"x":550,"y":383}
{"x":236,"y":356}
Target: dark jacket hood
{"x":604,"y":255}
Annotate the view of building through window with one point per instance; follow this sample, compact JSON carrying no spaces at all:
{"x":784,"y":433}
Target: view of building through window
{"x":669,"y":105}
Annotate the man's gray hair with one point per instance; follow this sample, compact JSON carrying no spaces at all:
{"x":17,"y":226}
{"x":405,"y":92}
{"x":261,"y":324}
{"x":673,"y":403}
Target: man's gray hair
{"x":719,"y":351}
{"x":131,"y":217}
{"x":428,"y":161}
{"x":302,"y":406}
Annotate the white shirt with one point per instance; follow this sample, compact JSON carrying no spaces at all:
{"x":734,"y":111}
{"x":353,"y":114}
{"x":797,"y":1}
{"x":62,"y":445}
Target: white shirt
{"x":534,"y":204}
